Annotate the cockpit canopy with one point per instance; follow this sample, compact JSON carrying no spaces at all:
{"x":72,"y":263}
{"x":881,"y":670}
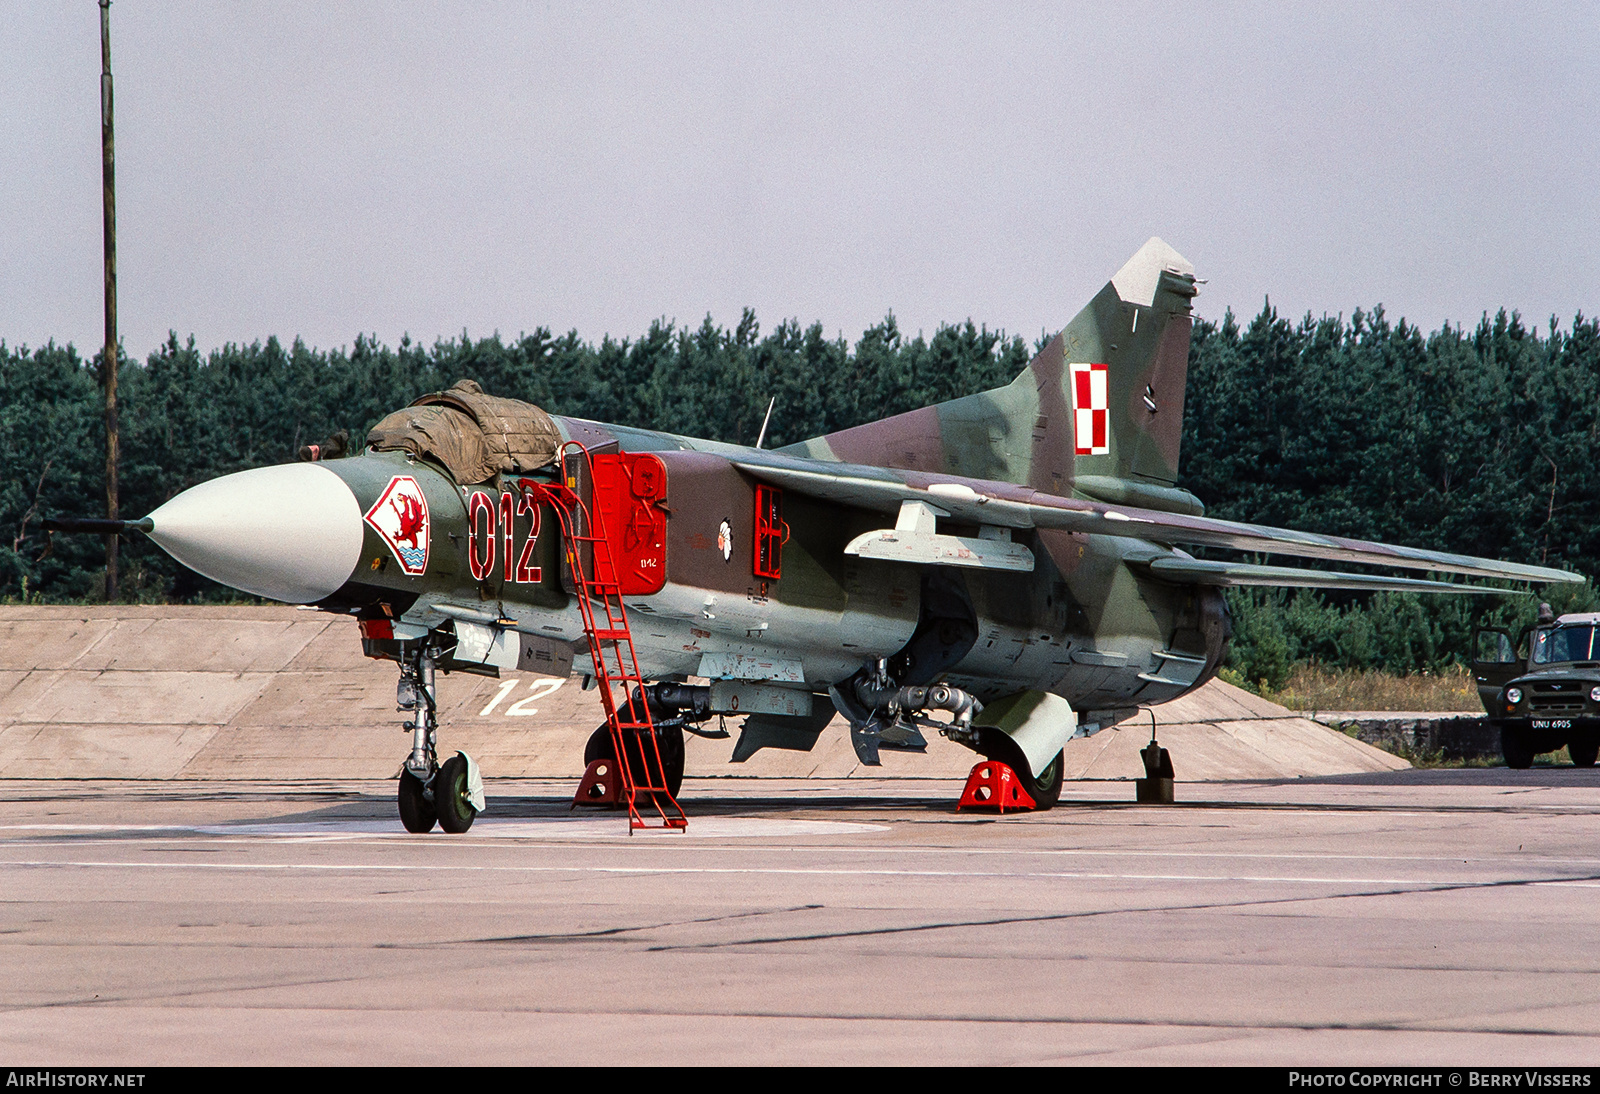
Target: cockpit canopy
{"x":473,"y":435}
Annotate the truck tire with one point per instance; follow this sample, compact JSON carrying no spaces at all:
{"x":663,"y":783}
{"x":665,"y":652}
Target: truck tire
{"x":1516,"y":748}
{"x":1584,"y":751}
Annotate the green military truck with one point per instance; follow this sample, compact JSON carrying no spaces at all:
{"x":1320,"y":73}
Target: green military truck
{"x":1543,"y":690}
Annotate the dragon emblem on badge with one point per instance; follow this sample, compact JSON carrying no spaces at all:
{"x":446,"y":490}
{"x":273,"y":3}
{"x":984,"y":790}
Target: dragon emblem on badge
{"x":400,"y":517}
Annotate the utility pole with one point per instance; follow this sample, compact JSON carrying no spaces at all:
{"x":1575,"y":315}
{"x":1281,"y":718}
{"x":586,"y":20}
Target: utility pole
{"x":108,"y":362}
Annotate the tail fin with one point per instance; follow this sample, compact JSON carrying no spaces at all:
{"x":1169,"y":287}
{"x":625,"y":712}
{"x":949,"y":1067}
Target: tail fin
{"x":1100,"y":408}
{"x":1121,"y":366}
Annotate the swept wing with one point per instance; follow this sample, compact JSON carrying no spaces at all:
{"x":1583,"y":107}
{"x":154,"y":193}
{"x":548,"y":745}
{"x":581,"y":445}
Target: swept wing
{"x":1012,"y":506}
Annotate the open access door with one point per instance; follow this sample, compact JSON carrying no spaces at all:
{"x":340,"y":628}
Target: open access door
{"x":629,"y":491}
{"x":1496,"y":661}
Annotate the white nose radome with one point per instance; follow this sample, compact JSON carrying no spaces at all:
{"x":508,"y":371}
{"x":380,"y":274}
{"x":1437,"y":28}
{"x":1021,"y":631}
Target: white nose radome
{"x":291,"y":532}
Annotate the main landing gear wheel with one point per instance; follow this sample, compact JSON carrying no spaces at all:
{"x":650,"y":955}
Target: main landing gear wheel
{"x":669,"y":739}
{"x":1516,"y":748}
{"x":416,"y":812}
{"x":450,"y":795}
{"x":1585,"y":752}
{"x":1045,"y":788}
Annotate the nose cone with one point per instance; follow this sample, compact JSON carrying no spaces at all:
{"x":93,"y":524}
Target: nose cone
{"x":290,"y":533}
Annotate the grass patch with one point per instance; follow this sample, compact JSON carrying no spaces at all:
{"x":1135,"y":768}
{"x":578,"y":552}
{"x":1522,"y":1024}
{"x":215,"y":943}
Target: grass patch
{"x":1437,"y":758}
{"x":1312,"y":687}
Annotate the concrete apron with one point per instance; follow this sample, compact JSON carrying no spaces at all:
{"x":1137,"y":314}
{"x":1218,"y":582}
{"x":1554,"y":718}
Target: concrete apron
{"x":179,"y":692}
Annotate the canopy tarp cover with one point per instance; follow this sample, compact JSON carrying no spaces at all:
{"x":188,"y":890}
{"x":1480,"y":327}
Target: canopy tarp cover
{"x":475,"y":436}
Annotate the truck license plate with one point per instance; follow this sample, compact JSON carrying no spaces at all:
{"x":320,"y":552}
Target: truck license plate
{"x":1551,"y":723}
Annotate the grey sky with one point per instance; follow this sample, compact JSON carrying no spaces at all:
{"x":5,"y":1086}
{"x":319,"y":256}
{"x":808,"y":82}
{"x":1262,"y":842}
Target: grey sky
{"x":326,"y":169}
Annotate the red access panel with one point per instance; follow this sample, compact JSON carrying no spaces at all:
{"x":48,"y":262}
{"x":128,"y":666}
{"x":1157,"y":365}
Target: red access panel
{"x":628,"y":490}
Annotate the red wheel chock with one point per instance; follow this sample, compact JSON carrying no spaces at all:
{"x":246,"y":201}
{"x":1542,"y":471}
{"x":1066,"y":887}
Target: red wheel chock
{"x":993,"y":785}
{"x":600,"y":784}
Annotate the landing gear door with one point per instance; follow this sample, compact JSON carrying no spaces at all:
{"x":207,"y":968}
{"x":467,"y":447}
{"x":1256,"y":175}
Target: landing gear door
{"x":1495,"y":663}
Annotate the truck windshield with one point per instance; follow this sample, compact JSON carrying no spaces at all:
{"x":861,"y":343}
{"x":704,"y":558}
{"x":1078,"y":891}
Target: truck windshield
{"x":1563,"y":644}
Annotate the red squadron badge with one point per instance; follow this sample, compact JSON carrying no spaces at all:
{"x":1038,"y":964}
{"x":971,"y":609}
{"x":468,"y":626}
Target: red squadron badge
{"x":400,"y":517}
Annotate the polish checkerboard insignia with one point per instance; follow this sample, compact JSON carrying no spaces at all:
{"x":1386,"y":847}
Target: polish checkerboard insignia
{"x":1091,"y":418}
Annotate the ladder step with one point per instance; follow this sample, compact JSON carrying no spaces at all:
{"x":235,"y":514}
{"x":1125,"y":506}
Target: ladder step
{"x":596,"y":576}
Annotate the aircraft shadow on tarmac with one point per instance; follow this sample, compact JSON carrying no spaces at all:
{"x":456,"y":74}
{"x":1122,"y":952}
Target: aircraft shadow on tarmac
{"x":551,"y":807}
{"x":924,"y":803}
{"x":938,"y":802}
{"x":1562,"y":776}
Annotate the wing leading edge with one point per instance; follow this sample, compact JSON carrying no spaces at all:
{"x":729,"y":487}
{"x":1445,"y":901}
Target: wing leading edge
{"x":1011,"y":506}
{"x":1194,"y":571}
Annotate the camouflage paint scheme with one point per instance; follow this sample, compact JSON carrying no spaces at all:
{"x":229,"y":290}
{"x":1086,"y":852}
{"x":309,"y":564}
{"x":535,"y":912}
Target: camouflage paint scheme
{"x":1111,"y":617}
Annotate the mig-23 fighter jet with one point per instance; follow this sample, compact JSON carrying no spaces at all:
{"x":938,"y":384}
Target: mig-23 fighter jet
{"x":1012,"y":560}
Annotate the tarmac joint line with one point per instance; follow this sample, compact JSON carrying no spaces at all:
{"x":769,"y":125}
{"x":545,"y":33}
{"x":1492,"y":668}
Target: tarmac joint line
{"x":607,"y":932}
{"x":915,"y":928}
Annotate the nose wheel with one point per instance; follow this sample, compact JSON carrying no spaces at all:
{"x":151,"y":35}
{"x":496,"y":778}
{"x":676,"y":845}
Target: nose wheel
{"x":451,"y":800}
{"x":416,"y":806}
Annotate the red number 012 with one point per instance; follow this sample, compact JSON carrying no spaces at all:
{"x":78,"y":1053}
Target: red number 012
{"x":496,"y":523}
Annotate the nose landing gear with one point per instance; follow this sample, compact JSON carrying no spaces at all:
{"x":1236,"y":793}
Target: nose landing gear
{"x":430,"y":793}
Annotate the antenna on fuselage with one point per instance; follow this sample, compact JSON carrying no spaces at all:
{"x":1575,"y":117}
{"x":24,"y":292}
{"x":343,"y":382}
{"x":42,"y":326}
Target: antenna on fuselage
{"x":765,"y":421}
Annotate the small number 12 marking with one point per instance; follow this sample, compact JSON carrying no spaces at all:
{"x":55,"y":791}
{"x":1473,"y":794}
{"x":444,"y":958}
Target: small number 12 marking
{"x":520,"y":709}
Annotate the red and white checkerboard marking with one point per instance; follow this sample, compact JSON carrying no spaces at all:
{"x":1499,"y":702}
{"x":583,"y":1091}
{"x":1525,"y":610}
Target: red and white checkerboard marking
{"x":1090,"y":406}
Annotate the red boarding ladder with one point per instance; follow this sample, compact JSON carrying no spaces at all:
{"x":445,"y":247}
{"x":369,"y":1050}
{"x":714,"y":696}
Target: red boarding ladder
{"x":605,"y":621}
